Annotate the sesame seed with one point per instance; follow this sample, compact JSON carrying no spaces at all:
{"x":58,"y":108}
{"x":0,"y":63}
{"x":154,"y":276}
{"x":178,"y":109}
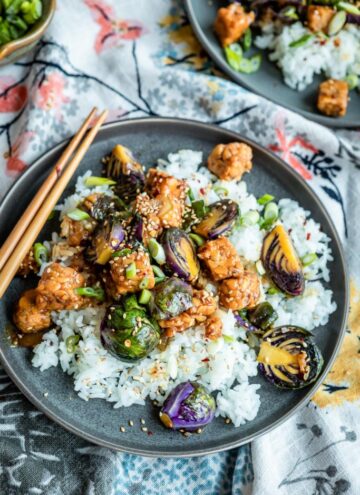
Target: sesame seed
{"x":142,"y":421}
{"x":122,"y":429}
{"x":143,"y":428}
{"x":227,"y":421}
{"x":131,"y":422}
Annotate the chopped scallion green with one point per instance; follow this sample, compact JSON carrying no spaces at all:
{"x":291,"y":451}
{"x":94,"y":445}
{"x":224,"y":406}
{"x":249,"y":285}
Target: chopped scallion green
{"x":263,"y":200}
{"x":250,"y":218}
{"x":228,"y":339}
{"x":301,"y":41}
{"x":145,"y":296}
{"x":199,"y":207}
{"x":144,"y":284}
{"x":158,"y":272}
{"x":71,"y":343}
{"x":95,"y":292}
{"x":157,"y":251}
{"x":130,"y":271}
{"x":309,"y":258}
{"x":122,"y":252}
{"x":199,"y":241}
{"x":41,"y":254}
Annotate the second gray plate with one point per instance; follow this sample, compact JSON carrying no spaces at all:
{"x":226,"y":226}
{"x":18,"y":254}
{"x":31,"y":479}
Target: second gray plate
{"x":267,"y":81}
{"x":96,"y":420}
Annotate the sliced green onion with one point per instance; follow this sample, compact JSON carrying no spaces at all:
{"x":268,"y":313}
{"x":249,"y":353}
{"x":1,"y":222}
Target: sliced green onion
{"x":221,"y":190}
{"x":199,"y":207}
{"x":250,"y":218}
{"x":157,"y":251}
{"x":250,"y":65}
{"x":260,"y":267}
{"x":352,"y":81}
{"x":93,"y":181}
{"x":190,"y":195}
{"x":271,"y":212}
{"x":122,"y":252}
{"x":273,"y":290}
{"x":252,"y":340}
{"x":159,"y":279}
{"x":71,"y":343}
{"x":41,"y":254}
{"x":228,"y":339}
{"x":263,"y":200}
{"x":95,"y":292}
{"x":199,"y":241}
{"x":78,"y":215}
{"x":246,"y":40}
{"x":301,"y":41}
{"x":233,"y":54}
{"x":309,"y":258}
{"x":158,"y":272}
{"x":145,"y":296}
{"x":348,"y":7}
{"x":337,"y":22}
{"x":130,"y":271}
{"x":144,"y":284}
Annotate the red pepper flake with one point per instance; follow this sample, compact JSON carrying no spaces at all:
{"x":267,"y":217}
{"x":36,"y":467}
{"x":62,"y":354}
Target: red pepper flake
{"x":205,"y":360}
{"x":202,"y":191}
{"x":290,"y":230}
{"x":308,"y":235}
{"x":150,"y":433}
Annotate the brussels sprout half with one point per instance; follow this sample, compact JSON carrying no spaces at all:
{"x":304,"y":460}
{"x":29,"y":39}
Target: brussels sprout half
{"x":288,"y":357}
{"x":188,"y":407}
{"x":127,"y":332}
{"x":170,"y":298}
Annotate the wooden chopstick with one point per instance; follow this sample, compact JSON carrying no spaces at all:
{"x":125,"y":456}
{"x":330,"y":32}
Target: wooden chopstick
{"x":11,"y":266}
{"x":23,"y":222}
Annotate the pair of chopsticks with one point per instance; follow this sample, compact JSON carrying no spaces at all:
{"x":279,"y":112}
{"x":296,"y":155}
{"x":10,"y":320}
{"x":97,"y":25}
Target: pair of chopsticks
{"x":25,"y":232}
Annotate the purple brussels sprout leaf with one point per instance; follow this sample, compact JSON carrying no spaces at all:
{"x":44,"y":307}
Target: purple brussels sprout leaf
{"x":180,"y":254}
{"x":219,"y":219}
{"x":188,"y":407}
{"x":170,"y":298}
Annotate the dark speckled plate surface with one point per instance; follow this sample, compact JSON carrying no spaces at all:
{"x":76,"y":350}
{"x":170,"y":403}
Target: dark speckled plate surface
{"x":267,"y":81}
{"x":96,"y":420}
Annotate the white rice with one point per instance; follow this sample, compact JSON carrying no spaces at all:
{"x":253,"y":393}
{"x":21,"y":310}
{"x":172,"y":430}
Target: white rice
{"x":223,"y":366}
{"x":336,"y":59}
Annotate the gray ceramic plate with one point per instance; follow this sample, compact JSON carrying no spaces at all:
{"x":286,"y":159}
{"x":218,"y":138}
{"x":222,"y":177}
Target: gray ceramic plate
{"x":96,"y":420}
{"x":267,"y":81}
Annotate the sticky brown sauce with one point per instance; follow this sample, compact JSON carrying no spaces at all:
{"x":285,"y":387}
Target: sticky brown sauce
{"x":18,"y":339}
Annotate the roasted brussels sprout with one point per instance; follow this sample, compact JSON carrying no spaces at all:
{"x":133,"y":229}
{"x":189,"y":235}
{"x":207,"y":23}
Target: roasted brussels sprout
{"x":128,"y":173}
{"x":170,"y":298}
{"x":188,"y":407}
{"x":281,"y":262}
{"x":180,"y":254}
{"x":127,"y":332}
{"x":219,"y":219}
{"x":106,"y":240}
{"x":288,"y":357}
{"x":262,"y":316}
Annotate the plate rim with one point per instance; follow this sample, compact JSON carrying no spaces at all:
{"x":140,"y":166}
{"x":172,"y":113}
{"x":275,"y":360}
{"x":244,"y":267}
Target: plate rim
{"x":42,"y":406}
{"x":221,"y":63}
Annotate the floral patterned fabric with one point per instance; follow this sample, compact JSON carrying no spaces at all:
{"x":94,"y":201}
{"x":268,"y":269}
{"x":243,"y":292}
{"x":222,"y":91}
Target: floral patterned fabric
{"x":137,"y":59}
